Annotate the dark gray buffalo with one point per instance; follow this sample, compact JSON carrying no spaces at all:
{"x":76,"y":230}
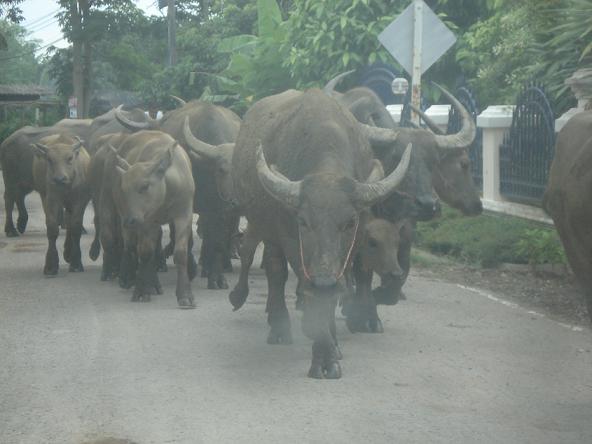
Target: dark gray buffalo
{"x":440,"y":163}
{"x":213,"y":126}
{"x":307,"y":207}
{"x":568,"y":198}
{"x":16,"y":160}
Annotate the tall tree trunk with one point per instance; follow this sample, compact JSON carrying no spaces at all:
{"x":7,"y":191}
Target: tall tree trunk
{"x":81,"y":57}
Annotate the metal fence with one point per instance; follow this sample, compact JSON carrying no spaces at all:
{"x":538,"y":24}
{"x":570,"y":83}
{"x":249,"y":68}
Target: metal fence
{"x":527,"y":150}
{"x":466,"y":97}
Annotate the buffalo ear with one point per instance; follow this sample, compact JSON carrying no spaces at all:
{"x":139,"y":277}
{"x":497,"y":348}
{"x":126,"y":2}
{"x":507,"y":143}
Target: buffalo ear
{"x":76,"y":146}
{"x":40,"y":150}
{"x":162,"y":164}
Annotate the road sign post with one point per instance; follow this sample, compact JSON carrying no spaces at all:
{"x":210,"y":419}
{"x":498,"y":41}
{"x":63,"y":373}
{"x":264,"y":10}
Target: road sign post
{"x":417,"y":50}
{"x":417,"y":38}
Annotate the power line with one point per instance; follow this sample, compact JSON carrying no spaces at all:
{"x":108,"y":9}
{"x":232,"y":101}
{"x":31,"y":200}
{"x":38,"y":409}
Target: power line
{"x":18,"y":56}
{"x":33,"y":31}
{"x":33,"y":23}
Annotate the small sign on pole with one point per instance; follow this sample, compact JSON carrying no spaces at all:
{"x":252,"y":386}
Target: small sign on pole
{"x":417,"y":39}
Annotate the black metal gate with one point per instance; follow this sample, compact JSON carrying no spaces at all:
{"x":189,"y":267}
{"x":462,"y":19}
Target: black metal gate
{"x":527,"y":150}
{"x":465,"y":96}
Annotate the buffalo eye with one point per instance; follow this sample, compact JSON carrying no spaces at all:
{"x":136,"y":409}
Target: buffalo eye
{"x":70,"y":160}
{"x":144,"y":188}
{"x":464,"y":164}
{"x":372,"y":243}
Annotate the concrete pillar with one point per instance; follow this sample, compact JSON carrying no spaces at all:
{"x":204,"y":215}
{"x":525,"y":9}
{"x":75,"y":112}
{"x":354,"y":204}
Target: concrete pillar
{"x":439,"y":114}
{"x":495,"y":122}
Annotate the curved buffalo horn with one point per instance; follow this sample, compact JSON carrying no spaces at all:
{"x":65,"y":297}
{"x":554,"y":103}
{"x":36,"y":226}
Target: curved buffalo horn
{"x":468,"y":131}
{"x":121,"y":162}
{"x":131,"y":125}
{"x":371,"y":193}
{"x":331,"y":84}
{"x":282,"y":189}
{"x":179,"y":100}
{"x":198,"y":147}
{"x":428,"y":121}
{"x":379,"y":136}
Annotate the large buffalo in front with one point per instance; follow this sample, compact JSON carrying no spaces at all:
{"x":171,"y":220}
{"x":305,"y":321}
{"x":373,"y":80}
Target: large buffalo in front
{"x":568,"y":198}
{"x":305,"y":178}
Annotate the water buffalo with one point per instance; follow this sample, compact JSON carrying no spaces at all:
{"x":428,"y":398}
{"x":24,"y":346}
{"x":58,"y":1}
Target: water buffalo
{"x":308,"y":206}
{"x":568,"y":197}
{"x":60,"y":175}
{"x":214,"y":126}
{"x":16,"y":159}
{"x":441,"y":163}
{"x":151,"y":185}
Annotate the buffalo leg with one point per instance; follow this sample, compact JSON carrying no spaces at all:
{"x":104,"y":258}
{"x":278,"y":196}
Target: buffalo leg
{"x":74,"y":232}
{"x":361,"y":313}
{"x":278,"y":318}
{"x":9,"y":201}
{"x":52,"y":261}
{"x":191,"y":264}
{"x":147,"y":276}
{"x":23,"y":215}
{"x":239,"y":294}
{"x":109,"y":233}
{"x":182,"y":235}
{"x":95,"y":247}
{"x":317,"y":323}
{"x":160,"y":256}
{"x":129,"y":260}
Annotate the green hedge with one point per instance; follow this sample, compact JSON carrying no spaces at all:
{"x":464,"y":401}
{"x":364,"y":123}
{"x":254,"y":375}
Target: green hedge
{"x":489,"y":239}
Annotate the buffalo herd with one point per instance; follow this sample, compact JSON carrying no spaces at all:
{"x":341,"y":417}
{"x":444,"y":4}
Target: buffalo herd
{"x":327,"y":181}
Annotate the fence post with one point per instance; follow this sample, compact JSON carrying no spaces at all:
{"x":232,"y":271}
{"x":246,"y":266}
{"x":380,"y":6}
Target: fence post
{"x":495,"y":121}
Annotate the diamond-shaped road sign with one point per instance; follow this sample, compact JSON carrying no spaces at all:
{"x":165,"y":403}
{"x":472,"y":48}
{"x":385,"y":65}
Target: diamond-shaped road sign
{"x":397,"y":38}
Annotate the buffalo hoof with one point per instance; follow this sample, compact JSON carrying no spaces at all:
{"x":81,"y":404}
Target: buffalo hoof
{"x":222,"y":283}
{"x":237,"y":297}
{"x":107,"y":275}
{"x":95,"y":250}
{"x":76,"y":268}
{"x":158,"y":288}
{"x":50,"y":270}
{"x":280,"y":335}
{"x":386,"y":296}
{"x":12,"y":233}
{"x":330,"y":371}
{"x":186,"y":303}
{"x":357,"y":324}
{"x":316,"y":372}
{"x":140,"y":296}
{"x":21,"y":223}
{"x":125,"y":283}
{"x":375,"y":326}
{"x":67,"y":254}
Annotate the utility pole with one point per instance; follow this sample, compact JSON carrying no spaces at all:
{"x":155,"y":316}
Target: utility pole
{"x":172,"y":20}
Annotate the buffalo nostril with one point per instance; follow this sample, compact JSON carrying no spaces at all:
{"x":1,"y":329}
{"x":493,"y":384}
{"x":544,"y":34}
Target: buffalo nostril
{"x":60,"y":180}
{"x":131,"y":221}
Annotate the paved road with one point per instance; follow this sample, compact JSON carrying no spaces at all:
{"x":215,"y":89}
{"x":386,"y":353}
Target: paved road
{"x":79,"y":363}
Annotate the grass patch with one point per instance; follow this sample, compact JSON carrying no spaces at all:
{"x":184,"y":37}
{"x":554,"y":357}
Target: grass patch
{"x":489,"y":239}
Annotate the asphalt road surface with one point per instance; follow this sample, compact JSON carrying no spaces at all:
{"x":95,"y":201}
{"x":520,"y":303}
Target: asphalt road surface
{"x":80,"y":363}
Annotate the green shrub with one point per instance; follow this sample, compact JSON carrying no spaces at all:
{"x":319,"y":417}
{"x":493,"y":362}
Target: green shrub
{"x":489,"y":240}
{"x":542,"y":246}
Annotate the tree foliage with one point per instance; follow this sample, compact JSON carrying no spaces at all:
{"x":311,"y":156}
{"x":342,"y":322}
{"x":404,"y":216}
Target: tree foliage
{"x":17,"y":62}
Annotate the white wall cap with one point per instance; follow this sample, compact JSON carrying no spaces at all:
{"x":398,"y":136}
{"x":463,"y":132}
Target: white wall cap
{"x":496,"y":116}
{"x":439,"y":114}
